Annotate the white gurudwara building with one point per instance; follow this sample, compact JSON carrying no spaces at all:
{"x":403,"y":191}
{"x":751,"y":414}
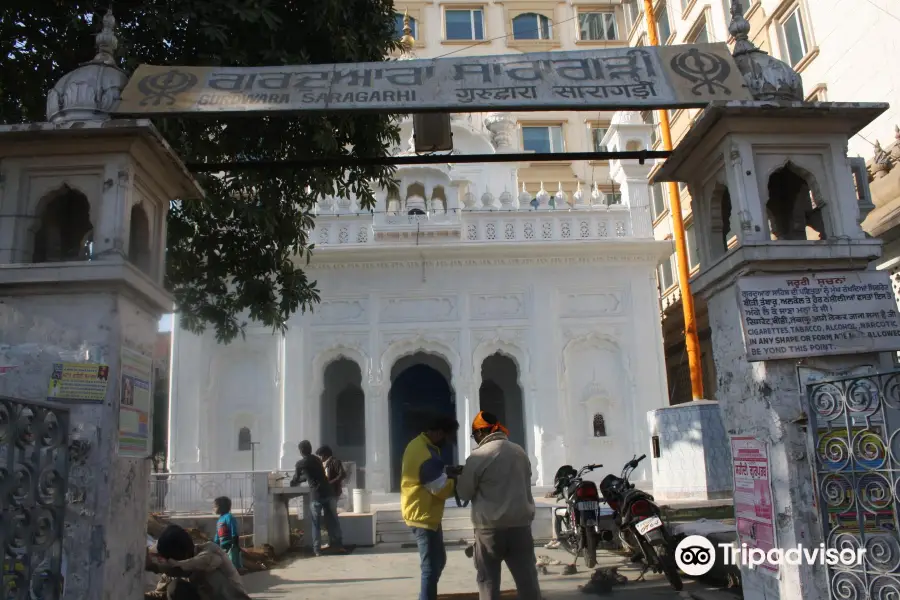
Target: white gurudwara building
{"x":464,"y":290}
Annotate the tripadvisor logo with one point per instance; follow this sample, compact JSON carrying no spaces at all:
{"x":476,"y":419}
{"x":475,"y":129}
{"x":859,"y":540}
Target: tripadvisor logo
{"x":695,"y":555}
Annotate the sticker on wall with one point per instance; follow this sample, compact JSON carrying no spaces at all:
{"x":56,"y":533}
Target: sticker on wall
{"x":135,"y":401}
{"x":78,"y":382}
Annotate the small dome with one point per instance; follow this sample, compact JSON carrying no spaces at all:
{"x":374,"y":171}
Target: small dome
{"x":596,"y":195}
{"x":487,"y":199}
{"x":766,"y":77}
{"x":92,"y":90}
{"x":543,"y":196}
{"x":524,"y":196}
{"x":578,"y":196}
{"x":506,"y":199}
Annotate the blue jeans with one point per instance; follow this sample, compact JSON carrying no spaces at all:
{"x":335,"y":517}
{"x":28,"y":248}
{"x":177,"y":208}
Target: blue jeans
{"x":433,"y":557}
{"x":326,"y":507}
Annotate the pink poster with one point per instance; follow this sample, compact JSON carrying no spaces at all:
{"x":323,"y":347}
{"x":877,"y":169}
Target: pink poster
{"x":753,"y":510}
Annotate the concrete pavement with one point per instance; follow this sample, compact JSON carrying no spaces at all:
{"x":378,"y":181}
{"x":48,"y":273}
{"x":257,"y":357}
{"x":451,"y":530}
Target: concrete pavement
{"x":380,"y":574}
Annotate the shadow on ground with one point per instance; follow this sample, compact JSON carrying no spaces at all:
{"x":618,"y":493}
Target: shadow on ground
{"x":390,"y":573}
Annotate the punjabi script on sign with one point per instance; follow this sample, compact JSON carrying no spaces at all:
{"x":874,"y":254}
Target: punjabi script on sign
{"x":818,"y":314}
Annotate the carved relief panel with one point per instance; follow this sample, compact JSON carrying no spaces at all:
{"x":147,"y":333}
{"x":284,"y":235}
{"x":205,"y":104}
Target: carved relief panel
{"x":608,"y":303}
{"x":483,"y":307}
{"x":341,"y":311}
{"x":423,"y":309}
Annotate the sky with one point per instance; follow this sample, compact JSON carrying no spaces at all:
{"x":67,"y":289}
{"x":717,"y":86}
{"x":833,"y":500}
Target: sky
{"x":165,"y":324}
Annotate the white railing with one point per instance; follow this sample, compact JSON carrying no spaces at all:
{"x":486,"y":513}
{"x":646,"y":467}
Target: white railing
{"x":500,"y":226}
{"x":193,"y":493}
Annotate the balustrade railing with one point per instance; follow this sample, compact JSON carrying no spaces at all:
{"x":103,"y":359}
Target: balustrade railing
{"x":193,"y":493}
{"x":613,"y":221}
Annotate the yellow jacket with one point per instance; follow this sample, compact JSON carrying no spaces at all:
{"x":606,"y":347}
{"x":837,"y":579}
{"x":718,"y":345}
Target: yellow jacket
{"x":423,"y":485}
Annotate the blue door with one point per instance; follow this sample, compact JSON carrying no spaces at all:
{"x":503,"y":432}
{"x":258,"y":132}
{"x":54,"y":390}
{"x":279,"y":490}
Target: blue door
{"x":418,"y":395}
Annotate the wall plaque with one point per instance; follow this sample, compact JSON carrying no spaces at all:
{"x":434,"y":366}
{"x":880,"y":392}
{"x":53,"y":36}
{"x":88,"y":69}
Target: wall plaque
{"x":681,"y":76}
{"x":817,"y":314}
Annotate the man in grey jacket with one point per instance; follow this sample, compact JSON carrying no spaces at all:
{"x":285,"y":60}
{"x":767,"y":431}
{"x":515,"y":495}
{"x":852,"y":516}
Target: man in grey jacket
{"x":497,"y":480}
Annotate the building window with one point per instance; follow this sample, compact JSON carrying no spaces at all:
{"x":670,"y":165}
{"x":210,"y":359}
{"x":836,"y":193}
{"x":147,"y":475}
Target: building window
{"x":542,"y":139}
{"x":599,"y":426}
{"x":663,"y":30}
{"x":726,"y":5}
{"x":794,"y":37}
{"x":701,"y":35}
{"x":684,"y":6}
{"x":531,"y":26}
{"x":597,"y":26}
{"x":657,"y":200}
{"x":398,"y":26}
{"x":597,"y":135}
{"x":633,"y":10}
{"x":244,"y":439}
{"x":649,"y":117}
{"x":665,"y":273}
{"x":613,"y":198}
{"x":690,"y":238}
{"x":464,"y":24}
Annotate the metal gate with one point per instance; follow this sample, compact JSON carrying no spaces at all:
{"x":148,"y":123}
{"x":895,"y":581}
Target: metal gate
{"x":33,"y":471}
{"x":853,"y":427}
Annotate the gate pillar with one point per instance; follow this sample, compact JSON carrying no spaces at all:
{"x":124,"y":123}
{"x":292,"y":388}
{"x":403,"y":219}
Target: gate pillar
{"x":787,"y":274}
{"x":83,"y":205}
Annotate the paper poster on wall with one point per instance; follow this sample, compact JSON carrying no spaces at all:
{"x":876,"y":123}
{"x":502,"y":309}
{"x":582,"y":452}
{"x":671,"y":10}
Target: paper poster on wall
{"x":135,"y":405}
{"x":78,"y":382}
{"x":754,"y":510}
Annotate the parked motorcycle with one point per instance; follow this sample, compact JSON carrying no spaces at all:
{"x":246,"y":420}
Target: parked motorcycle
{"x":640,"y":523}
{"x":576,"y":525}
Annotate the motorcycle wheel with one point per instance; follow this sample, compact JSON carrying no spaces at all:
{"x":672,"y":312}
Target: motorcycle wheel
{"x":590,"y":549}
{"x":667,"y":563}
{"x":566,"y":539}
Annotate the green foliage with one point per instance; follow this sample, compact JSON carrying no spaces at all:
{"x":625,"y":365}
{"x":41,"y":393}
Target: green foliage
{"x":232,"y":255}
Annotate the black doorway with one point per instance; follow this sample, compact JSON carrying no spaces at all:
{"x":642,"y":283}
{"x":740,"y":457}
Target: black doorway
{"x":420,"y":390}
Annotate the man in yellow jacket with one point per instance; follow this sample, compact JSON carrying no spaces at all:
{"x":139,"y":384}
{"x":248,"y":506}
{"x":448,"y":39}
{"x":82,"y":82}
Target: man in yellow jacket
{"x":425,"y":484}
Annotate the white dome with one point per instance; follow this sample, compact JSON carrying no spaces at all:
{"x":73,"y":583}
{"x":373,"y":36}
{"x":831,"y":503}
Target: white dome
{"x":92,"y":90}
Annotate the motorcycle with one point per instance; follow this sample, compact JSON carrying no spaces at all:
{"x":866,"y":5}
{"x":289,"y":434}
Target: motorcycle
{"x":576,"y":525}
{"x":641,"y":528}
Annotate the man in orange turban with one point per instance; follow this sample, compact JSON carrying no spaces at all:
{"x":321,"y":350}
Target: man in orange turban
{"x":497,"y":480}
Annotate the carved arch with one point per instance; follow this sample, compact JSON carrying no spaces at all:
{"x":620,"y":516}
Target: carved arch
{"x":419,"y":343}
{"x":805,"y":168}
{"x":332,"y":354}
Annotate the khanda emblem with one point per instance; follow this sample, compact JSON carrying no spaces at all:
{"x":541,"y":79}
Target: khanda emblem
{"x":163,"y":87}
{"x":704,"y":70}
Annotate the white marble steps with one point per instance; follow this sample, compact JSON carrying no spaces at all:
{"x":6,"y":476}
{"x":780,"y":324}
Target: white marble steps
{"x":390,"y":528}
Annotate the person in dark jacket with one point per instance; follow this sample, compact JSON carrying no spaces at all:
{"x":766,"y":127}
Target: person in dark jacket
{"x":309,"y":469}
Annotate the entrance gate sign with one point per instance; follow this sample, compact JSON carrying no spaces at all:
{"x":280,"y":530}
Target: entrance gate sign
{"x":683,"y":76}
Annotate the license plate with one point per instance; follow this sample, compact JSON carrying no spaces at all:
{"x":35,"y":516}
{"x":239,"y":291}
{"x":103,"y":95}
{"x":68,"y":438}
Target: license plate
{"x":648,"y":525}
{"x":588,"y":506}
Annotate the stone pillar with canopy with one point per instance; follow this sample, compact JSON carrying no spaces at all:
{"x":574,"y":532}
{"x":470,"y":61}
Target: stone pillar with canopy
{"x":83,"y":206}
{"x":783,"y":263}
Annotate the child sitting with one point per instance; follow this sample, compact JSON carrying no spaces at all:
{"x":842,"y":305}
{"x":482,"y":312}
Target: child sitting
{"x":203,"y":572}
{"x":227,"y":531}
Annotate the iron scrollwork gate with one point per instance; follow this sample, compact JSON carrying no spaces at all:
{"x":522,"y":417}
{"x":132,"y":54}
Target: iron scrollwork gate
{"x":853,"y":426}
{"x":33,"y":472}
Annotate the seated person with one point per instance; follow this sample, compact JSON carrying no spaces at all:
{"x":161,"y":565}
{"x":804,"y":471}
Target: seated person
{"x":203,"y":572}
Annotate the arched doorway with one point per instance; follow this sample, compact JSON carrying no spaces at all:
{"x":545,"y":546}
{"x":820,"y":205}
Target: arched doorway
{"x":420,"y":390}
{"x":501,"y":394}
{"x":344,"y":414}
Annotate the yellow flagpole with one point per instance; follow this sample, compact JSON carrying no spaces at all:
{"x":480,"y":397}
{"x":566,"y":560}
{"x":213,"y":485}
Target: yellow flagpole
{"x":691,"y":340}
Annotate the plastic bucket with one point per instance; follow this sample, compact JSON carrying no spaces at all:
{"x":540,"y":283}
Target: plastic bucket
{"x":362,"y":501}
